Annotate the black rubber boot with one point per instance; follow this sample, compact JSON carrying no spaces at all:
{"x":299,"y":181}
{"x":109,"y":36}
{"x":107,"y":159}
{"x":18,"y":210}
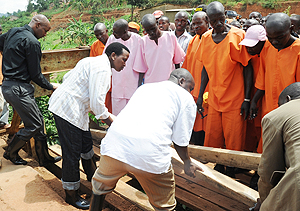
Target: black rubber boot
{"x":11,"y":153}
{"x":97,"y":202}
{"x":41,"y":149}
{"x":74,"y":199}
{"x":89,"y":167}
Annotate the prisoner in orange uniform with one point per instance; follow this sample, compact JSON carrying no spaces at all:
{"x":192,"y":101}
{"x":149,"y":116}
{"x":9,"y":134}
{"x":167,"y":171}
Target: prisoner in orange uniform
{"x":97,"y":48}
{"x":279,"y":64}
{"x":225,"y":66}
{"x":254,"y":41}
{"x":194,"y":66}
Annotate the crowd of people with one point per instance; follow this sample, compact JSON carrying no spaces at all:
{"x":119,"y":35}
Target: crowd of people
{"x":209,"y":82}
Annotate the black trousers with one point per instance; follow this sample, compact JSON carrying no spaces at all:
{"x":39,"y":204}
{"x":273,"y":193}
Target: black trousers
{"x":75,"y":143}
{"x":21,"y":96}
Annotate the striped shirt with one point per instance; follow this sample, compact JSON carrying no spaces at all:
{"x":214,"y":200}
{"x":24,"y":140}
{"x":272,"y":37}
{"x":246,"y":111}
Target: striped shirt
{"x":83,"y":90}
{"x":184,"y":40}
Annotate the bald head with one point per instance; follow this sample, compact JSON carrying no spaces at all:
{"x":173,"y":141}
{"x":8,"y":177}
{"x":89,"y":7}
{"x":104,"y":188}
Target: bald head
{"x":99,"y":27}
{"x":148,"y":20}
{"x":120,"y":29}
{"x":181,"y":14}
{"x":215,"y":7}
{"x":278,"y":27}
{"x":255,"y":15}
{"x":295,"y":21}
{"x":39,"y":19}
{"x":40,"y":25}
{"x":121,"y":23}
{"x":101,"y":32}
{"x":200,"y":22}
{"x":278,"y":22}
{"x":291,"y":92}
{"x":183,"y":78}
{"x":201,"y":15}
{"x":248,"y":23}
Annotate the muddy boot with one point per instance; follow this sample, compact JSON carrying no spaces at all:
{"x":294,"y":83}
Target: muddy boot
{"x":89,"y":167}
{"x":11,"y":153}
{"x":41,"y":149}
{"x":74,"y":199}
{"x":97,"y":202}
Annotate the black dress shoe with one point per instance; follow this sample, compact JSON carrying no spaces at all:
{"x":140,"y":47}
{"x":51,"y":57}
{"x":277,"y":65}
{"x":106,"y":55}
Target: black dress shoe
{"x":17,"y":160}
{"x":74,"y":199}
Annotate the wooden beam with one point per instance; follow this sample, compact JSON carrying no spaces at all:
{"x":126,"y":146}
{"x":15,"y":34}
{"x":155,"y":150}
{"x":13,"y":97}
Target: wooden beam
{"x":62,"y":60}
{"x":245,"y":160}
{"x":225,"y":184}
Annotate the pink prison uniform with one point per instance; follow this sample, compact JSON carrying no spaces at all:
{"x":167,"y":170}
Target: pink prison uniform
{"x":157,"y":61}
{"x":124,"y":83}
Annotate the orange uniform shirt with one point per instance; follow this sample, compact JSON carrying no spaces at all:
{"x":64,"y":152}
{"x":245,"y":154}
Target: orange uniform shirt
{"x":278,"y":69}
{"x":194,"y":66}
{"x":97,"y":48}
{"x":223,"y":65}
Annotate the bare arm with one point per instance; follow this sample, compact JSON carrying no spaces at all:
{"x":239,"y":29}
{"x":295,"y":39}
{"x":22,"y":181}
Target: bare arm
{"x":204,"y":81}
{"x":189,"y":167}
{"x":248,"y":79}
{"x":253,"y":107}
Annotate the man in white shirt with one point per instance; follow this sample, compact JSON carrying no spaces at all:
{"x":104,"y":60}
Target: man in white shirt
{"x":83,"y":90}
{"x":183,"y":38}
{"x":142,"y":146}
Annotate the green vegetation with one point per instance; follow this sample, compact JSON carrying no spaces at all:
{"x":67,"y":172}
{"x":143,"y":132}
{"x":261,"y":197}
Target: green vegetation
{"x":79,"y":32}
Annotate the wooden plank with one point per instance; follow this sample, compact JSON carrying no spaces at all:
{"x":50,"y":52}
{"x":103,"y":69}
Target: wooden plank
{"x":246,"y":160}
{"x":15,"y":123}
{"x":195,"y":202}
{"x":61,"y":60}
{"x":126,"y":191}
{"x":97,"y":134}
{"x":225,"y":184}
{"x":204,"y":192}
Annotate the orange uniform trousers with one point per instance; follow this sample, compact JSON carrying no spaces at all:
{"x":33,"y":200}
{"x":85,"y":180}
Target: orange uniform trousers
{"x":225,"y":129}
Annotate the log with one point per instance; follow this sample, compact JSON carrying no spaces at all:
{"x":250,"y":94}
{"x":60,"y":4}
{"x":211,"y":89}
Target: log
{"x":223,"y":183}
{"x":201,"y":191}
{"x":15,"y":123}
{"x":245,"y":160}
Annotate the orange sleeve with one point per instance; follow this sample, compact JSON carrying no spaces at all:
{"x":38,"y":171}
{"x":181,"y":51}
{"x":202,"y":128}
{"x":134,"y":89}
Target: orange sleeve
{"x":298,"y":69}
{"x":239,"y":52}
{"x":96,"y":48}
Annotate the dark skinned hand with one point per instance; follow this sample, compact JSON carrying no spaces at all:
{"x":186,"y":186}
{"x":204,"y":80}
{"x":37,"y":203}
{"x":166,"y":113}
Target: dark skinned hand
{"x":245,"y":108}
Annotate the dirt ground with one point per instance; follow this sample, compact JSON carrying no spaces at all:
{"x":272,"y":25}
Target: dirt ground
{"x":62,"y":19}
{"x":30,"y":187}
